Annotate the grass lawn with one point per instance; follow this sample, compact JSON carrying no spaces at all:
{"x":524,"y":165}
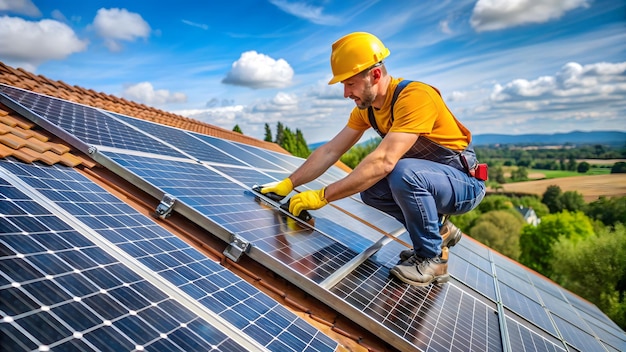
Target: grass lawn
{"x":549,"y":174}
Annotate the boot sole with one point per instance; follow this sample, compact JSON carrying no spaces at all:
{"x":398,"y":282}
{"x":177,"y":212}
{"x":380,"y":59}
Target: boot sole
{"x":436,"y":280}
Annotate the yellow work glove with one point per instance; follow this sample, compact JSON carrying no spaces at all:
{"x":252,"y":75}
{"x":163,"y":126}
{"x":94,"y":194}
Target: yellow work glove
{"x":282,"y":188}
{"x":308,"y":200}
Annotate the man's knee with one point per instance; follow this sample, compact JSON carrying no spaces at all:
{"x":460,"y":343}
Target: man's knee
{"x":368,"y":198}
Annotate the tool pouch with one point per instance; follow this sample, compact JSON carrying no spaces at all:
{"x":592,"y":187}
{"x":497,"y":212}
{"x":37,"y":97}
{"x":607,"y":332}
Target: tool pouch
{"x":481,"y":172}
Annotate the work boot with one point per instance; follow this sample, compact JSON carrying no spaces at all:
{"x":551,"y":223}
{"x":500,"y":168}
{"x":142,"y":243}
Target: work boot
{"x":450,"y":234}
{"x":419,"y":271}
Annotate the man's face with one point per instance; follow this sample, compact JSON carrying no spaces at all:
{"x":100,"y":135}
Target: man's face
{"x":359,"y":89}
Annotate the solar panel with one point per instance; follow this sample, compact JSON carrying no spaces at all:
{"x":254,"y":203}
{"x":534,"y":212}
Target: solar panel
{"x":182,"y":140}
{"x":576,"y":337}
{"x":285,"y":161}
{"x":439,"y":318}
{"x":491,"y":303}
{"x":238,"y":151}
{"x":60,"y":291}
{"x":523,"y":339}
{"x":164,"y":254}
{"x":87,"y":124}
{"x":233,"y":206}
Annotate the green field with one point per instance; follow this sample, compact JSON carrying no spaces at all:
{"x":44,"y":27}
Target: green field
{"x":549,"y":174}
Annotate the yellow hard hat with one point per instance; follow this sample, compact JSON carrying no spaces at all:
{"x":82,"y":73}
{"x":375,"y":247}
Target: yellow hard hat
{"x":354,"y":53}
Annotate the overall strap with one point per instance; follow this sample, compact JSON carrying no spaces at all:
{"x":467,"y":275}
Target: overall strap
{"x":370,"y":110}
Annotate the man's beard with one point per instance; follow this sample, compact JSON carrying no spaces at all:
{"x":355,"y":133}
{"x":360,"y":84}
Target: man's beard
{"x":367,"y":97}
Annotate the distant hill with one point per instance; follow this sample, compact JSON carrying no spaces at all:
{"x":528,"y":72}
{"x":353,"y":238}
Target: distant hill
{"x":575,"y":138}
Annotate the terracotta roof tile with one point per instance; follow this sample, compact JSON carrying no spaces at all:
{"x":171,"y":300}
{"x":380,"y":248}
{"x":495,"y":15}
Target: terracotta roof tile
{"x":22,"y":133}
{"x":12,"y":141}
{"x":24,"y":156}
{"x":59,"y":148}
{"x":39,"y":136}
{"x":50,"y":158}
{"x":69,"y":159}
{"x":20,"y":139}
{"x":37,"y":145}
{"x":5,"y":151}
{"x":14,"y":120}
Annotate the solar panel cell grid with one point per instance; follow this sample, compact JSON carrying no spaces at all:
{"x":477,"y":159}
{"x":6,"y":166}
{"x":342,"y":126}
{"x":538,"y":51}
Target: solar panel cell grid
{"x":576,"y":336}
{"x":235,"y":150}
{"x":287,"y":162}
{"x":181,"y":140}
{"x":87,"y":124}
{"x":434,"y":317}
{"x":214,"y":286}
{"x":50,"y":302}
{"x":526,"y":307}
{"x":523,"y":339}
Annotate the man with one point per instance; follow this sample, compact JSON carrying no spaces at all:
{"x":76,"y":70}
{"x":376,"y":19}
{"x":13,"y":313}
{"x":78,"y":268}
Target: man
{"x":423,"y":167}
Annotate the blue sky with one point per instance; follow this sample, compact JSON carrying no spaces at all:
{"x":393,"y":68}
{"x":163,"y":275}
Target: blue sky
{"x":503,"y":66}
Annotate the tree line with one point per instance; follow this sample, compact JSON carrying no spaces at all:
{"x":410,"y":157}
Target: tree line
{"x":293,"y":142}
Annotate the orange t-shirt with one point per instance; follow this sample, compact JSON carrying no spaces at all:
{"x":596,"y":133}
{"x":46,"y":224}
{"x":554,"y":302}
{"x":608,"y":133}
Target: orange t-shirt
{"x":418,"y":109}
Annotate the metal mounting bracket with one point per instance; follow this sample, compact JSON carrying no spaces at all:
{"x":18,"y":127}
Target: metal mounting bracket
{"x":164,"y":209}
{"x":236,"y":248}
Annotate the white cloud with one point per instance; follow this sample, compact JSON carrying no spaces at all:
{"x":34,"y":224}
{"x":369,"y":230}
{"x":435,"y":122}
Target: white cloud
{"x":116,"y":25}
{"x":20,"y":7}
{"x":257,"y":70}
{"x":577,"y":97}
{"x":27,"y":44}
{"x":457,"y":96}
{"x":600,"y":81}
{"x":280,"y":102}
{"x":303,"y":10}
{"x":144,"y":93}
{"x":194,"y":24}
{"x":489,"y":15}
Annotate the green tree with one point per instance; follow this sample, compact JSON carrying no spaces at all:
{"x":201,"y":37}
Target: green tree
{"x":498,"y":175}
{"x":619,"y":168}
{"x":609,"y":211}
{"x":466,"y":221}
{"x":357,"y":153}
{"x":571,"y":163}
{"x":583,"y":167}
{"x":499,"y":230}
{"x":237,"y":129}
{"x":595,"y":269}
{"x":536,"y":242}
{"x":302,"y":149}
{"x":519,"y":174}
{"x":280,"y":133}
{"x":551,"y":198}
{"x":571,"y":201}
{"x":268,"y":133}
{"x":288,"y":140}
{"x":495,"y":202}
{"x":599,"y":150}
